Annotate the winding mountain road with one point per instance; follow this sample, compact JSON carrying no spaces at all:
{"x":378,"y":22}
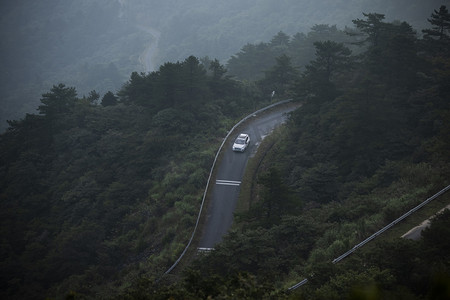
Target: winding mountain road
{"x":229,"y":172}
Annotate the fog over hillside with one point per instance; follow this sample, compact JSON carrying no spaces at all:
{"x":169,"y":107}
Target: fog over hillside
{"x":111,"y":175}
{"x":96,"y":44}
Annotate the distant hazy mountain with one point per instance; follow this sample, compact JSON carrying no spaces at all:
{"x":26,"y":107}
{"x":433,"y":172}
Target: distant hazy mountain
{"x":96,"y":44}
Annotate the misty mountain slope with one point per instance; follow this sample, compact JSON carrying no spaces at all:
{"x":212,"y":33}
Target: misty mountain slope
{"x":84,"y":44}
{"x":100,"y":194}
{"x":97,"y":44}
{"x":219,"y":29}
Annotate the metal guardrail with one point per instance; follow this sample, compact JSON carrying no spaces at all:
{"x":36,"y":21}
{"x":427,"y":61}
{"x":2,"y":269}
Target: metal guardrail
{"x":391,"y":224}
{"x":341,"y":257}
{"x":297,"y":285}
{"x":210,"y":175}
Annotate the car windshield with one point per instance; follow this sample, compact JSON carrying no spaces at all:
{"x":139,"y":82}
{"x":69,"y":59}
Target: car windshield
{"x":240,"y":141}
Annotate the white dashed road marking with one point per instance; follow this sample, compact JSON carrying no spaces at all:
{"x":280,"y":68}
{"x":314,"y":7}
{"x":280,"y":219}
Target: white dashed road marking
{"x":205,"y":249}
{"x":228,"y":182}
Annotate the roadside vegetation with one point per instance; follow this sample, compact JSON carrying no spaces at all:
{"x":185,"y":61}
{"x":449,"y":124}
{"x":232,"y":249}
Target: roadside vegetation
{"x":100,"y":193}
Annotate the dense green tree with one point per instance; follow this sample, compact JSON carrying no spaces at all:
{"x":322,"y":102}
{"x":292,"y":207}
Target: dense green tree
{"x":92,"y":97}
{"x":300,"y":50}
{"x":332,"y":59}
{"x":246,"y":64}
{"x":276,"y":197}
{"x":432,"y":236}
{"x":109,"y":99}
{"x":217,"y":69}
{"x":29,"y":130}
{"x":280,"y":77}
{"x":279,"y":44}
{"x":56,"y":105}
{"x":436,"y":46}
{"x":391,"y":52}
{"x":440,"y":20}
{"x":179,"y":84}
{"x":137,"y":89}
{"x":194,"y":79}
{"x":280,"y":40}
{"x":319,"y":183}
{"x":373,"y":27}
{"x":216,"y":81}
{"x":399,"y":57}
{"x":59,"y":100}
{"x":169,"y":76}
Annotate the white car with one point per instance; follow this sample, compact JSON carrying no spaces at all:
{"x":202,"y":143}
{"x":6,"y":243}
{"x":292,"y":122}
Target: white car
{"x":241,"y":143}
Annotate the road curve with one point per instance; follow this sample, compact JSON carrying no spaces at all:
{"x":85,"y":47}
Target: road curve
{"x":258,"y":125}
{"x":225,"y":186}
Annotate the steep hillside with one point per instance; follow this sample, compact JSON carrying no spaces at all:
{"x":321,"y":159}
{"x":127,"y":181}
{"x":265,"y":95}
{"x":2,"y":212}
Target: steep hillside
{"x":95,"y":191}
{"x":99,"y":193}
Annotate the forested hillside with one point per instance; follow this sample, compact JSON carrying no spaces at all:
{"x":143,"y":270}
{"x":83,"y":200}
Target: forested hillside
{"x":101,"y":192}
{"x":95,"y":191}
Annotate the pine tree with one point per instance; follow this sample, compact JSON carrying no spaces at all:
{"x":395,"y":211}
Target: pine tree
{"x":438,"y":37}
{"x":440,"y":20}
{"x":331,"y":60}
{"x":372,"y":27}
{"x":59,"y":100}
{"x":109,"y":99}
{"x":280,"y":77}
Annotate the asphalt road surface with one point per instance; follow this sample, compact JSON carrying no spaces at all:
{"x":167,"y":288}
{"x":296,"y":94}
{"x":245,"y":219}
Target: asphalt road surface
{"x":229,"y":172}
{"x":416,"y":232}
